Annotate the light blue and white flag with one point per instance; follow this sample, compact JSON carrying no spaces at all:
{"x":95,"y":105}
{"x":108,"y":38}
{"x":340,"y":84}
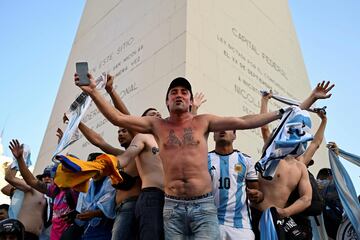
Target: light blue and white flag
{"x":267,"y":226}
{"x":345,"y":187}
{"x":75,"y":114}
{"x":289,"y":139}
{"x":291,"y":102}
{"x":318,"y":227}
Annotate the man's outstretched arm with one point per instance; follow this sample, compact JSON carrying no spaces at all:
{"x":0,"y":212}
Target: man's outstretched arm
{"x":95,"y":139}
{"x":217,"y":123}
{"x":265,"y":131}
{"x":116,"y":99}
{"x":118,"y":103}
{"x":138,"y":124}
{"x":134,"y":149}
{"x":17,"y":150}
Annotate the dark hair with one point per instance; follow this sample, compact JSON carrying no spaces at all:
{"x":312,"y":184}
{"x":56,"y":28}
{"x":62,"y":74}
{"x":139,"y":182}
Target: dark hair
{"x":93,"y":156}
{"x":4,"y":206}
{"x":147,"y":110}
{"x":324,"y":173}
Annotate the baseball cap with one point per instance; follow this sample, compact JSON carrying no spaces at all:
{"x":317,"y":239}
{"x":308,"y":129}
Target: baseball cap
{"x":180,"y":81}
{"x":12,"y":226}
{"x":46,"y":173}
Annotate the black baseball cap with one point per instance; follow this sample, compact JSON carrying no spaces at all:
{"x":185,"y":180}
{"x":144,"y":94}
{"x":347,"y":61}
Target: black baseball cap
{"x":180,"y":81}
{"x":46,"y":173}
{"x":12,"y":226}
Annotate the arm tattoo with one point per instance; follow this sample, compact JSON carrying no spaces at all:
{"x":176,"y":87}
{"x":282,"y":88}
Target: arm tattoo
{"x":133,"y":145}
{"x":154,"y":150}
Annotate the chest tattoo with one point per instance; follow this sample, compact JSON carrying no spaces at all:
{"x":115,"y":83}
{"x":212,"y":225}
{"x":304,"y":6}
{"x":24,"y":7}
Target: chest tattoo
{"x":173,"y":139}
{"x":188,"y":138}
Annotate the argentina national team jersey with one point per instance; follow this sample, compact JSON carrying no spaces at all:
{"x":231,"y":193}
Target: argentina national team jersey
{"x":228,"y":174}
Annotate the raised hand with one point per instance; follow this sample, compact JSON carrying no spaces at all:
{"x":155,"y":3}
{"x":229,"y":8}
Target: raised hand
{"x":89,"y":88}
{"x":199,"y":99}
{"x":267,"y":95}
{"x":16,"y":148}
{"x":333,"y":146}
{"x":321,"y":113}
{"x":109,"y":83}
{"x":322,"y":89}
{"x":65,"y":119}
{"x":59,"y":134}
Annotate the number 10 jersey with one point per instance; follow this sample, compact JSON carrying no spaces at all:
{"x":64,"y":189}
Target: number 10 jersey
{"x":229,"y":174}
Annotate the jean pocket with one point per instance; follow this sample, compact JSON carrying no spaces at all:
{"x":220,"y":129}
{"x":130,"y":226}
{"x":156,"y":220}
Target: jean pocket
{"x":208,"y":209}
{"x":168,"y":213}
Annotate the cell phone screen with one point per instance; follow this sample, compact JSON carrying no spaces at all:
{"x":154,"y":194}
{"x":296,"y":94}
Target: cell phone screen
{"x":82,"y":70}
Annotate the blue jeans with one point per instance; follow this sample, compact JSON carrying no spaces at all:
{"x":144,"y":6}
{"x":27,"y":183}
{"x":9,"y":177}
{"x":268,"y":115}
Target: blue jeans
{"x":191,"y":219}
{"x":124,"y":227}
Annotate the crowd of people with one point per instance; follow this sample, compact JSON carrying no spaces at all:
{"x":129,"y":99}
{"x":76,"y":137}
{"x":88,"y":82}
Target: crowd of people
{"x":171,"y":186}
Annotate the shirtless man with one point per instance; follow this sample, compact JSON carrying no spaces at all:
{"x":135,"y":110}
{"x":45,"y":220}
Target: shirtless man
{"x":144,"y":149}
{"x":189,"y":208}
{"x":32,"y":209}
{"x":291,"y":174}
{"x":149,"y":206}
{"x":61,"y":206}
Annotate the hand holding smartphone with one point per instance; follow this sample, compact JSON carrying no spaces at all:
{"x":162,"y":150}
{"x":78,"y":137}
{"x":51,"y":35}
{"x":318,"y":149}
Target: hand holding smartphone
{"x":82,"y":70}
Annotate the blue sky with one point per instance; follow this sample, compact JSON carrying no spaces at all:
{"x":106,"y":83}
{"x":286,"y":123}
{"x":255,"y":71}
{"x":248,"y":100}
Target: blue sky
{"x":36,"y":39}
{"x":329,"y":37}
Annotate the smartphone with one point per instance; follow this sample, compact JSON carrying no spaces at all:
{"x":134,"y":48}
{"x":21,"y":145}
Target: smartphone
{"x":82,"y":70}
